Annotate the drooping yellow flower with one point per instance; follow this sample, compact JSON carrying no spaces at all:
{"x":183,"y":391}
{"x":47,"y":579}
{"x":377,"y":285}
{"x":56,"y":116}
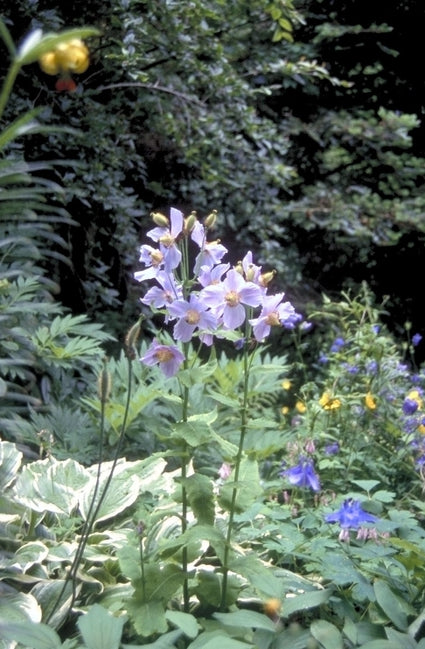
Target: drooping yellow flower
{"x":286,"y":384}
{"x":328,"y":402}
{"x":370,"y":401}
{"x":70,"y":57}
{"x":300,"y":407}
{"x":284,"y":410}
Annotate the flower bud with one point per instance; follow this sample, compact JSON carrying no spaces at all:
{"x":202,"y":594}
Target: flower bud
{"x":160,"y":219}
{"x":104,"y":384}
{"x":266,"y":278}
{"x":239,"y":268}
{"x":189,"y":223}
{"x":211,"y":219}
{"x":131,"y":340}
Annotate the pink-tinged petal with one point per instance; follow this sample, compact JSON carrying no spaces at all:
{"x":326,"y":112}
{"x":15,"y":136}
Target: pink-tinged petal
{"x":233,"y":316}
{"x":251,"y":294}
{"x":176,"y":218}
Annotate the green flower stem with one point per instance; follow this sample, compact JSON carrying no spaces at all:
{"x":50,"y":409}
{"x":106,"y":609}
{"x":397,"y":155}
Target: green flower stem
{"x":185,"y":409}
{"x":247,"y":361}
{"x":8,"y":85}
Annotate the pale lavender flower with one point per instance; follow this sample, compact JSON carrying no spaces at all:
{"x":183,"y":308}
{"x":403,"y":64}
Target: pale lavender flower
{"x":274,"y":313}
{"x":416,"y":339}
{"x":227,"y":298}
{"x":251,"y":271}
{"x":212,"y":275}
{"x":169,"y":357}
{"x":224,"y":471}
{"x":167,"y":237}
{"x":192,"y":314}
{"x":163,"y":295}
{"x":303,"y":474}
{"x":153,"y":259}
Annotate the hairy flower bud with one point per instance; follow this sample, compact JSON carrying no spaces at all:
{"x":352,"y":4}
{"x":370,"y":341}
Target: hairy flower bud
{"x":160,"y":219}
{"x":266,"y":278}
{"x":131,"y":339}
{"x":189,"y":223}
{"x":211,"y":219}
{"x":104,"y":384}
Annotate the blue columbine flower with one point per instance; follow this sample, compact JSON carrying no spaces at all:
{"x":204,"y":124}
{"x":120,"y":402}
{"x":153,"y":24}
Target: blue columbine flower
{"x":350,"y":515}
{"x":303,"y":474}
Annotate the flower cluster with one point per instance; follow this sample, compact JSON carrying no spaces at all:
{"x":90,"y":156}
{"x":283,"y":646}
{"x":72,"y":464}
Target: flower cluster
{"x":218,"y":298}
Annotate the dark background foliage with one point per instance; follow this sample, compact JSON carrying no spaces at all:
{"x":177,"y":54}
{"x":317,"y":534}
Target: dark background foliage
{"x":306,"y":136}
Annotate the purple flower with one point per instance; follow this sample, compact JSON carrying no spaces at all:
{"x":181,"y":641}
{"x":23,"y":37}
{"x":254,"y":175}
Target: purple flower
{"x":228,"y":297}
{"x":211,"y":252}
{"x":163,"y":295}
{"x":168,"y":357}
{"x":209,"y":275}
{"x":350,"y":515}
{"x":273,"y":313}
{"x":416,"y":339}
{"x":153,"y":259}
{"x":332,"y":448}
{"x":191,"y":315}
{"x":303,"y":474}
{"x":337,"y":344}
{"x":410,"y":406}
{"x":167,"y":237}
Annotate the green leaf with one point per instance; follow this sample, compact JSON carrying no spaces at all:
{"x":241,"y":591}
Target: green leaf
{"x":390,"y":604}
{"x":148,"y":617}
{"x":19,"y":607}
{"x":381,"y":644}
{"x":217,"y":640}
{"x":184,"y":621}
{"x":246,"y":619}
{"x":327,"y":634}
{"x":304,"y":601}
{"x":100,"y":629}
{"x":196,"y":430}
{"x":31,"y":634}
{"x":10,"y":461}
{"x":200,"y":495}
{"x":366,"y":485}
{"x":248,"y":486}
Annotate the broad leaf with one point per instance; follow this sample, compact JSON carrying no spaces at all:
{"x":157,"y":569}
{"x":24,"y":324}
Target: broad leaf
{"x":100,"y":629}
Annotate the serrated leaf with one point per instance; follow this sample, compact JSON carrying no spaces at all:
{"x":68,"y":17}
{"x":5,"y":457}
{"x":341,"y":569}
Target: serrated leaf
{"x":148,"y":617}
{"x":200,"y":495}
{"x":248,"y":486}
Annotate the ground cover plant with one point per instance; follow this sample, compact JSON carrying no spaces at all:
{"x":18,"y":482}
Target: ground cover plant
{"x":243,"y":475}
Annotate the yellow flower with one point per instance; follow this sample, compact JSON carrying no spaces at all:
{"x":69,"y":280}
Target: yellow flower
{"x":300,"y":406}
{"x":415,"y":396}
{"x":284,"y":410}
{"x":69,"y":57}
{"x":421,"y":429}
{"x":286,"y":384}
{"x":272,"y":607}
{"x":370,"y":401}
{"x":328,"y":402}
